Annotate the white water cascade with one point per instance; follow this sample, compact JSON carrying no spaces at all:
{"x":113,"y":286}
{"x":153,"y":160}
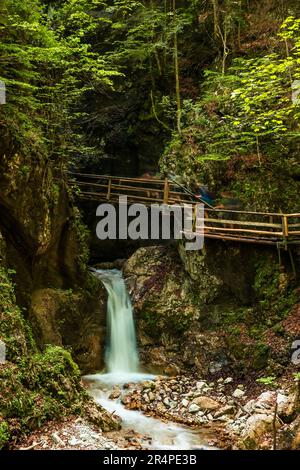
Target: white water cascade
{"x":121,"y":353}
{"x":122,"y":364}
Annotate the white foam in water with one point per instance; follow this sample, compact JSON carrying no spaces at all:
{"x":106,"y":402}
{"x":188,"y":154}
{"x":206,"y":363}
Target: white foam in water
{"x":123,"y":367}
{"x":163,"y":435}
{"x":121,"y":355}
{"x":119,"y":378}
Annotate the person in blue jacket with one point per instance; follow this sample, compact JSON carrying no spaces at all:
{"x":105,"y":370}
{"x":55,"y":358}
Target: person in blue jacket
{"x":205,"y":195}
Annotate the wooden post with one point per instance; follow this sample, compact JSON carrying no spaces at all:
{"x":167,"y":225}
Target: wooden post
{"x":166,"y":191}
{"x":108,"y":189}
{"x":293,"y":263}
{"x":285,"y":226}
{"x":271,"y":221}
{"x":194,"y":218}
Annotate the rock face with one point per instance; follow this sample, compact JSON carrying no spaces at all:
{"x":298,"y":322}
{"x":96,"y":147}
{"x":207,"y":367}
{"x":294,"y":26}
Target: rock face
{"x":44,"y":245}
{"x":71,"y":320}
{"x":255,"y":428}
{"x":202,"y":310}
{"x":167,"y":312}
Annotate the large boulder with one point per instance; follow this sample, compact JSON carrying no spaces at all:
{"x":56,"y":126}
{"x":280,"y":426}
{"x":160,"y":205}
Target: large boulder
{"x":72,"y":320}
{"x":256,"y":427}
{"x":168,"y":305}
{"x":206,"y":403}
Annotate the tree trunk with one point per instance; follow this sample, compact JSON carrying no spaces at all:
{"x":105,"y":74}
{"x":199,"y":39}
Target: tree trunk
{"x":216,"y":17}
{"x":176,"y":64}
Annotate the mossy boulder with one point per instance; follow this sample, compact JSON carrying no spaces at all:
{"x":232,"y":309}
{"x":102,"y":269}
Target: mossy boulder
{"x":222,"y":307}
{"x":35,"y":385}
{"x":76,"y":320}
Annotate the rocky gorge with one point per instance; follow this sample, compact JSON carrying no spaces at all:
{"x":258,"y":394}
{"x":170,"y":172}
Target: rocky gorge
{"x":235,"y":416}
{"x":206,"y":97}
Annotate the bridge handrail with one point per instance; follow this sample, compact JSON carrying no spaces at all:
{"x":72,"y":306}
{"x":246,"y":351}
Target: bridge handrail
{"x":219,"y":222}
{"x":125,"y":178}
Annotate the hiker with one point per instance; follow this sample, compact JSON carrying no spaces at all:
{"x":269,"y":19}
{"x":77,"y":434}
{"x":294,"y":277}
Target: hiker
{"x":229,"y":202}
{"x":206,"y":196}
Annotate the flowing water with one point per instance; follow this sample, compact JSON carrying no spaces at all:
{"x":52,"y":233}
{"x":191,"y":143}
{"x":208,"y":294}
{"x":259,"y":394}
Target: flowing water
{"x":122,"y":366}
{"x":121,"y":353}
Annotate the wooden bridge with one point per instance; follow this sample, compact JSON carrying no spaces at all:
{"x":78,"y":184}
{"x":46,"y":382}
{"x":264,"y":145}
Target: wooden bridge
{"x":281,"y":230}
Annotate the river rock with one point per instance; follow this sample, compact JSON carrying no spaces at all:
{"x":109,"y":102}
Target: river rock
{"x":255,"y":428}
{"x":125,"y":400}
{"x":161,"y":408}
{"x":166,"y":402}
{"x":172,"y":370}
{"x":185,"y":402}
{"x":288,"y":406}
{"x":228,"y":380}
{"x":151,"y":396}
{"x":148,"y":384}
{"x":115,"y":394}
{"x":250,"y":406}
{"x":201,"y":384}
{"x":145,"y":398}
{"x":74,"y":441}
{"x":194,"y":408}
{"x":225,"y":410}
{"x":206,"y":403}
{"x":238,"y":393}
{"x":55,"y":438}
{"x":289,"y":436}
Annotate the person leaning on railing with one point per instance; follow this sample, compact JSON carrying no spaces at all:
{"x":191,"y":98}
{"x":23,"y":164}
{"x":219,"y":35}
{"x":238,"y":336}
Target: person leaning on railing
{"x":229,"y":202}
{"x":202,"y":192}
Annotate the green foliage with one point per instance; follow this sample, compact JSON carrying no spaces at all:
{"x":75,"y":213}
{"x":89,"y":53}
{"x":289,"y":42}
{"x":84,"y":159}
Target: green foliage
{"x":82,"y":235}
{"x":266,"y":285}
{"x":297,"y":377}
{"x":11,"y":319}
{"x":47,"y":70}
{"x":270,"y":381}
{"x":34,"y":386}
{"x":4,"y":433}
{"x":245,"y":127}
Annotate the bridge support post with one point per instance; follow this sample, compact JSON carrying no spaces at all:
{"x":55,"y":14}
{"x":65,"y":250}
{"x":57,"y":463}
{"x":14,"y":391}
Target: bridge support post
{"x":108,"y":188}
{"x":166,"y":191}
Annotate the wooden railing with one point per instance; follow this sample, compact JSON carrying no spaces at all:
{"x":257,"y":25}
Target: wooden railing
{"x":256,"y":227}
{"x":243,"y":226}
{"x":148,"y":191}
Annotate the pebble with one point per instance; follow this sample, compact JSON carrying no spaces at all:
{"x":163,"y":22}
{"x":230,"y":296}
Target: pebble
{"x":194,"y":408}
{"x":55,"y":437}
{"x":201,"y":384}
{"x":238,"y":393}
{"x":74,"y":442}
{"x":228,"y":380}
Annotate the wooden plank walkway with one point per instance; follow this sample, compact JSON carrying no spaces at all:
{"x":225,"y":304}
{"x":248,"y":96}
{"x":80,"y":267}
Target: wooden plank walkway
{"x":267,"y":228}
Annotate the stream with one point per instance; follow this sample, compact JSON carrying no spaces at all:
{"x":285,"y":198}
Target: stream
{"x":122,"y":364}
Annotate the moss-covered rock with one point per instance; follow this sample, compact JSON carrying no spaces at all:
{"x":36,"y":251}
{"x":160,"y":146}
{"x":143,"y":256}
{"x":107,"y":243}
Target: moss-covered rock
{"x":74,"y":320}
{"x":35,"y":385}
{"x":211,"y":309}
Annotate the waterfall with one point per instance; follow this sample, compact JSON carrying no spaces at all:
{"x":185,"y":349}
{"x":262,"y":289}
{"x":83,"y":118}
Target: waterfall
{"x":121,"y":353}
